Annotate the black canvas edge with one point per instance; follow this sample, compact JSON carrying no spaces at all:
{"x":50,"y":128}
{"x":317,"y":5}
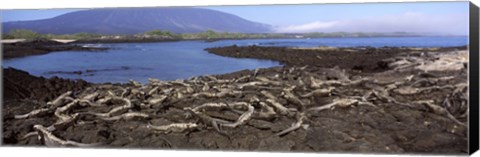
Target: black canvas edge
{"x":474,"y":80}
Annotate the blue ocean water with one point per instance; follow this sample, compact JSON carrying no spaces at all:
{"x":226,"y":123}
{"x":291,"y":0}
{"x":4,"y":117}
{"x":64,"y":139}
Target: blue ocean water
{"x":184,"y":59}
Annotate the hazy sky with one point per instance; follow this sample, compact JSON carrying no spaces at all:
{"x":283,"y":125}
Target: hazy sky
{"x":22,"y":15}
{"x":425,"y":17}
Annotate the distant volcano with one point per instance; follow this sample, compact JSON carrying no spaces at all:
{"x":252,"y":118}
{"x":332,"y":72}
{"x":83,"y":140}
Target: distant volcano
{"x":137,"y":20}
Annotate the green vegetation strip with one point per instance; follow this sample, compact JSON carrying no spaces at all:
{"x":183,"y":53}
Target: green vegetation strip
{"x":167,"y":35}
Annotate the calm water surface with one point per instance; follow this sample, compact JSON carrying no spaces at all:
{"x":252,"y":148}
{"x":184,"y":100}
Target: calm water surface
{"x":184,"y":59}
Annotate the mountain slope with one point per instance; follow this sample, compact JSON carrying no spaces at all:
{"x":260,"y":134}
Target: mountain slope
{"x":136,"y":20}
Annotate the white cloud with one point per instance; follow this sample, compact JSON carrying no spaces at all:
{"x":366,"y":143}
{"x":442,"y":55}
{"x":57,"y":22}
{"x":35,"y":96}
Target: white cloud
{"x":318,"y":25}
{"x":456,"y":24}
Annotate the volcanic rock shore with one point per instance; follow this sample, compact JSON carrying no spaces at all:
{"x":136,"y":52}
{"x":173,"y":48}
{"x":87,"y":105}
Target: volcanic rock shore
{"x":39,"y":47}
{"x":374,"y":100}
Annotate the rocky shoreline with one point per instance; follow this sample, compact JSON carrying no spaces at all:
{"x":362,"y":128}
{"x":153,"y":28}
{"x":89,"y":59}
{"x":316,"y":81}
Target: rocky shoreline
{"x":39,"y":47}
{"x":360,"y":59}
{"x":374,"y":100}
